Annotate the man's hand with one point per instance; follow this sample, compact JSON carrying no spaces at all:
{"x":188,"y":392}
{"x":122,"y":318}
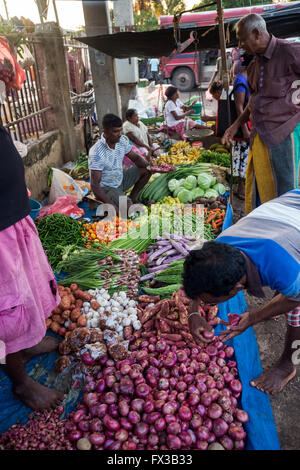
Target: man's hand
{"x":197,"y":324}
{"x":229,"y":134}
{"x":233,"y":331}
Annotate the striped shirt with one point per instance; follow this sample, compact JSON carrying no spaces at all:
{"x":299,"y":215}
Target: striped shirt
{"x":109,"y":161}
{"x":270,"y":237}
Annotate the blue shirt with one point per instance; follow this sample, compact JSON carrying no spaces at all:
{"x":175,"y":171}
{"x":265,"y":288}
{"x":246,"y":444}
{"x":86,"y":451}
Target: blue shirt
{"x":109,"y":161}
{"x":270,"y":237}
{"x":239,"y":81}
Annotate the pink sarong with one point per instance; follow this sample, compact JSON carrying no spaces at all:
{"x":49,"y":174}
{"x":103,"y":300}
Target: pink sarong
{"x":28,"y":289}
{"x":179,"y":128}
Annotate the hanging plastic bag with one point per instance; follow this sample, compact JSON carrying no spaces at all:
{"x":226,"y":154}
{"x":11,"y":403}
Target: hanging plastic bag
{"x":65,"y":205}
{"x":11,"y":73}
{"x":64,"y":185}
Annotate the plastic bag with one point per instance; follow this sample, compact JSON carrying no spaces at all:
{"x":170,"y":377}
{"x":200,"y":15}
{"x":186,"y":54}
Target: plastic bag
{"x":63,"y":205}
{"x":64,"y":185}
{"x":11,"y":73}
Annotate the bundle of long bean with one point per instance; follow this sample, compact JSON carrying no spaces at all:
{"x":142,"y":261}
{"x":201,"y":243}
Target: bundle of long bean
{"x":57,"y":231}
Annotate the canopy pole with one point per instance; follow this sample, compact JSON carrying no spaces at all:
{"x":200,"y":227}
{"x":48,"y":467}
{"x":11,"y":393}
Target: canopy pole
{"x":226,"y":81}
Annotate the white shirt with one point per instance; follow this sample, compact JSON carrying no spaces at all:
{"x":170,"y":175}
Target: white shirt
{"x":140,"y":131}
{"x":109,"y":161}
{"x":171,"y":106}
{"x":154,"y":64}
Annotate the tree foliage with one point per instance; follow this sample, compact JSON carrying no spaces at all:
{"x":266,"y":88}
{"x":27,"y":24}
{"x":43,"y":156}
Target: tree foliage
{"x":148,"y":11}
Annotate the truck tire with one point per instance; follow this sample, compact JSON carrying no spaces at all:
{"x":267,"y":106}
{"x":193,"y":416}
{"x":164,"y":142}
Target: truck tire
{"x":183,"y":78}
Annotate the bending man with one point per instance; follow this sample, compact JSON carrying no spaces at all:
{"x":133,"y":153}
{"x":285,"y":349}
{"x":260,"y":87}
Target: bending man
{"x":262,"y":249}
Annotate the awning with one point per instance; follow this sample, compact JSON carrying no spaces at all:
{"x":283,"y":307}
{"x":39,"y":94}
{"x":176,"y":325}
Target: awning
{"x":283,"y":23}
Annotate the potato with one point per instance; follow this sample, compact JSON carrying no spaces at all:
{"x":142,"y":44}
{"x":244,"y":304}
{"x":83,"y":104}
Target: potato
{"x":65,"y":303}
{"x":73,"y":287}
{"x":75,"y":314}
{"x":81,"y":321}
{"x":55,"y":327}
{"x":58,"y":319}
{"x":83,"y":444}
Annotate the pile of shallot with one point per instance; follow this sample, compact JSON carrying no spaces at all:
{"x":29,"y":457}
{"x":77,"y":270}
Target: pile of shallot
{"x":162,"y":398}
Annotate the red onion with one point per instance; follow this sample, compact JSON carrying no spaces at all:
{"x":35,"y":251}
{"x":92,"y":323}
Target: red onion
{"x":160,"y":424}
{"x":203,"y":357}
{"x":196,"y":421}
{"x":90,"y":386}
{"x":241,"y":416}
{"x":169,"y":408}
{"x":206,"y":399}
{"x":142,"y":390}
{"x":201,"y":410}
{"x":173,"y":442}
{"x":129,"y":445}
{"x":160,"y":345}
{"x":159,"y":404}
{"x":207,"y":422}
{"x":90,"y":399}
{"x":102,"y":410}
{"x":181,"y":356}
{"x":214,"y":411}
{"x":181,"y":386}
{"x":126,"y":386}
{"x":236,"y":432}
{"x":97,"y":439}
{"x":110,"y":397}
{"x":164,"y":372}
{"x":174,"y":428}
{"x":212,"y":438}
{"x":239,"y":445}
{"x":95,"y":425}
{"x":83,"y":424}
{"x":153,"y":440}
{"x":211,"y":351}
{"x":170,"y":360}
{"x":152,"y":417}
{"x":163,"y":384}
{"x":100,"y":386}
{"x":133,"y":417}
{"x":126,"y":424}
{"x":228,"y":377}
{"x":148,"y":406}
{"x":182,"y":369}
{"x":110,"y":423}
{"x":193,"y":399}
{"x":78,"y":415}
{"x":202,"y":433}
{"x":202,"y":445}
{"x":185,"y":438}
{"x":220,"y":427}
{"x":226,"y":442}
{"x":235,"y":386}
{"x":189,"y":379}
{"x":87,"y":359}
{"x":141,"y":429}
{"x":170,"y":419}
{"x":74,"y":435}
{"x":185,"y":413}
{"x":113,"y":410}
{"x":229,"y":351}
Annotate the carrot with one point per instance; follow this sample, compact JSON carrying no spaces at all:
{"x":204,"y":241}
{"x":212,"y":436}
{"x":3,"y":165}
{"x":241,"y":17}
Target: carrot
{"x":210,"y":218}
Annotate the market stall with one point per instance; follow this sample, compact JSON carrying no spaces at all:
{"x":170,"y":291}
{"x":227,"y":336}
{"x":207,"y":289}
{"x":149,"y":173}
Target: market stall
{"x":132,"y":374}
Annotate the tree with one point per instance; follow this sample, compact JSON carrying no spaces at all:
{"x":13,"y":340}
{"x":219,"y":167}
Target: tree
{"x":232,"y":4}
{"x":148,"y":11}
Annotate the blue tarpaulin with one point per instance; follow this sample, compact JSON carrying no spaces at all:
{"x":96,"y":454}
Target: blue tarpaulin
{"x":261,"y":429}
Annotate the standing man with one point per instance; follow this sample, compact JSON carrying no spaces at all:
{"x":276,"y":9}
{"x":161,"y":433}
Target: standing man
{"x":108,"y":179}
{"x":154,"y":69}
{"x":274,"y":105}
{"x":261,"y":249}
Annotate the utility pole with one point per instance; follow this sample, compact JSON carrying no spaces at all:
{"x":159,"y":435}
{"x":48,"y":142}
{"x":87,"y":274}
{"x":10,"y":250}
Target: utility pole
{"x":127,"y":69}
{"x":97,"y":22}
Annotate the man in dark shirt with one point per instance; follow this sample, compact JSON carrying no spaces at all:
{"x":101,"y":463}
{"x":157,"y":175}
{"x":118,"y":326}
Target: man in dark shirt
{"x":27,"y":284}
{"x":274,"y":106}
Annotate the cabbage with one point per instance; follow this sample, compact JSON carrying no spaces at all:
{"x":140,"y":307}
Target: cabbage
{"x":181,"y":181}
{"x":197,"y":192}
{"x":190,"y":182}
{"x":184,"y":195}
{"x":211,"y":193}
{"x":205,"y":180}
{"x":173,"y":184}
{"x":213,"y":182}
{"x":220,"y":188}
{"x":175,"y":193}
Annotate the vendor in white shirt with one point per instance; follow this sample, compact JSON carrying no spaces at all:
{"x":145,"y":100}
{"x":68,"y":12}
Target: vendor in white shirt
{"x":176,"y":113}
{"x":138,"y":134}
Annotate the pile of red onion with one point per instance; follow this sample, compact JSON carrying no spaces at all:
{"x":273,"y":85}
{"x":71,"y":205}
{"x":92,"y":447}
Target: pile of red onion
{"x":43,"y":431}
{"x":162,"y":398}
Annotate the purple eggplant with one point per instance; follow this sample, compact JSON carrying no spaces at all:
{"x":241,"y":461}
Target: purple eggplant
{"x":147,"y":277}
{"x":158,"y":268}
{"x":158,"y":253}
{"x":173,"y":258}
{"x":178,"y":246}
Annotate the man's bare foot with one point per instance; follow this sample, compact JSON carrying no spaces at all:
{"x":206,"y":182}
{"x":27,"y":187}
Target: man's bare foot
{"x":276,"y":378}
{"x":47,"y":345}
{"x":36,"y":396}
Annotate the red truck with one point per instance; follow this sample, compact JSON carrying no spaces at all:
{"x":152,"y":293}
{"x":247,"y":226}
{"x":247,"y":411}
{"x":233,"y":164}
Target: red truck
{"x":184,"y":70}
